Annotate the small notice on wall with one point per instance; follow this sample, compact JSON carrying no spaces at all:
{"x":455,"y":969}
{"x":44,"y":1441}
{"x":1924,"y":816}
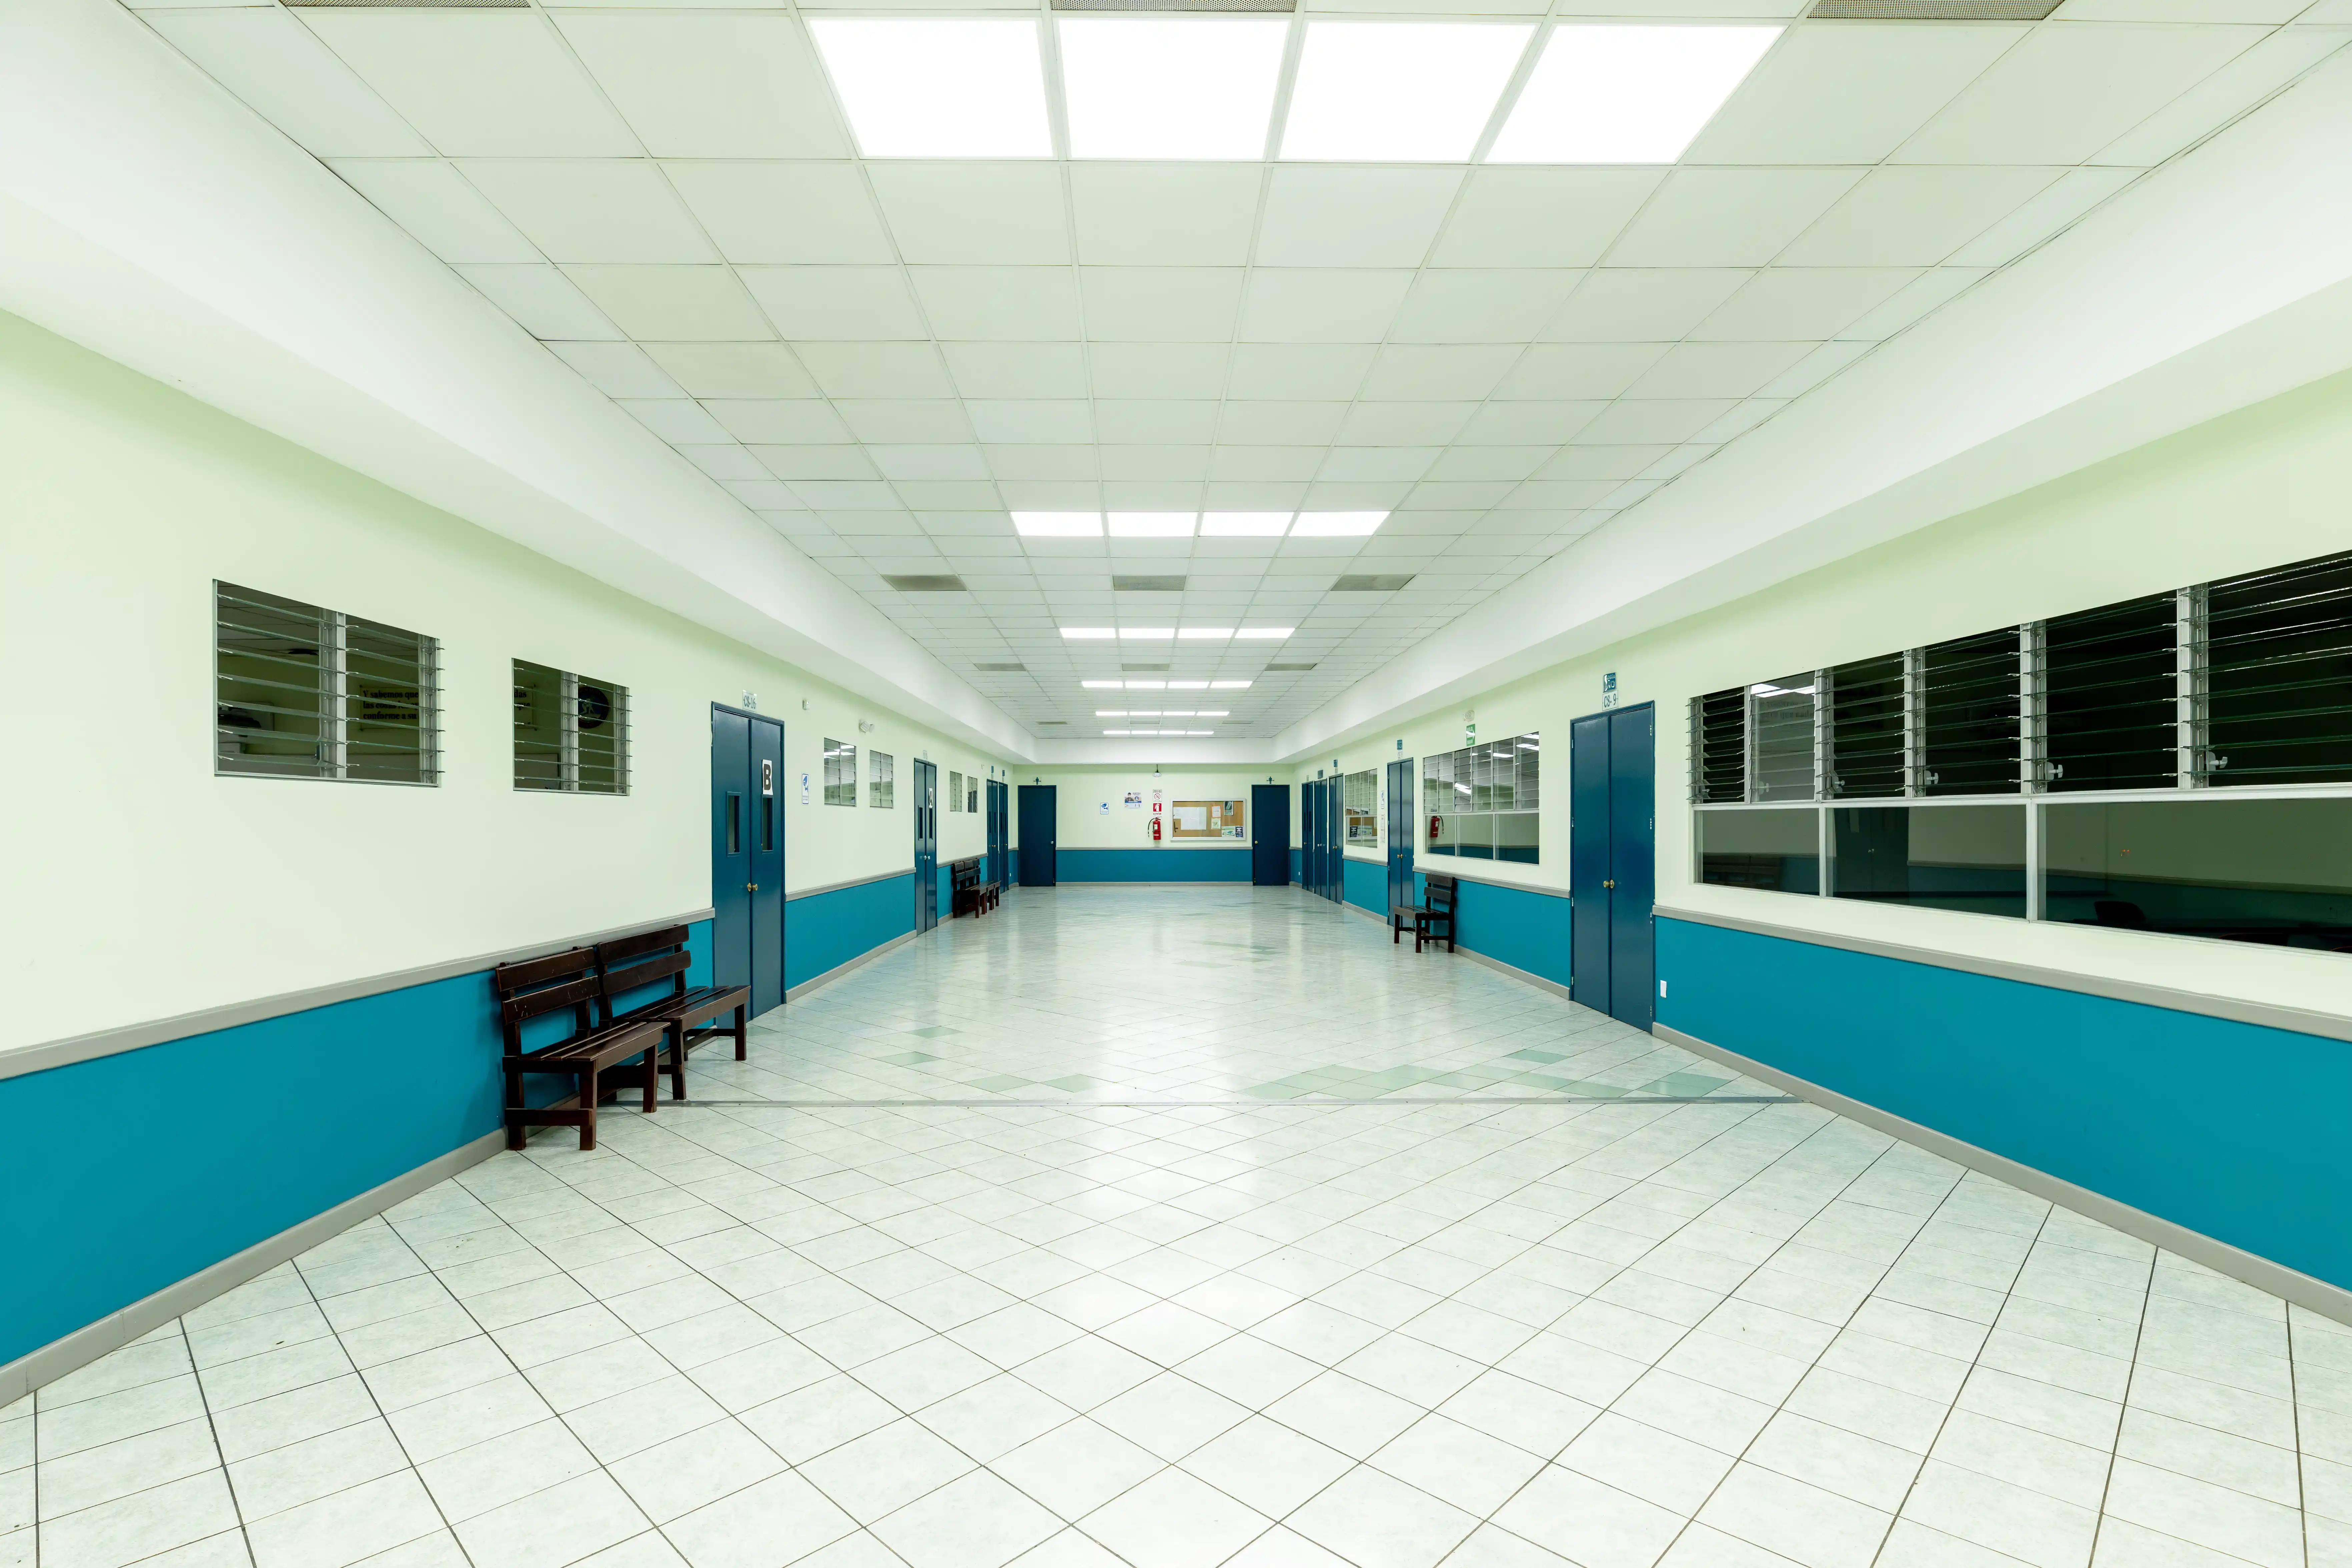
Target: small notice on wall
{"x":805,"y":789}
{"x":1207,"y":820}
{"x":1103,"y":810}
{"x":1135,"y":800}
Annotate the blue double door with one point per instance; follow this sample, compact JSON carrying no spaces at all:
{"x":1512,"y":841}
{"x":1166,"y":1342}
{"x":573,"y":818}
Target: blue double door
{"x":999,"y":831}
{"x":1612,"y":861}
{"x":1400,"y":832}
{"x":1320,"y":809}
{"x":926,"y":844}
{"x":747,"y":854}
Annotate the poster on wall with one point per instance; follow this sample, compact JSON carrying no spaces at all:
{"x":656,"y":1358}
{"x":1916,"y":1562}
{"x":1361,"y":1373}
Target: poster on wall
{"x":1206,"y":819}
{"x":1135,"y":800}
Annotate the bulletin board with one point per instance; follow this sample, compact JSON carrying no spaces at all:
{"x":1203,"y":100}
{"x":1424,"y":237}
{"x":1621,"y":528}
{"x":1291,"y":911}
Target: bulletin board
{"x":1205,"y":819}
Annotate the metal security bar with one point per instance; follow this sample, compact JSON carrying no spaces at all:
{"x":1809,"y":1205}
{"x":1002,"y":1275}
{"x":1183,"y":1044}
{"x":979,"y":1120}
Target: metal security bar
{"x":305,"y":692}
{"x":570,"y":732}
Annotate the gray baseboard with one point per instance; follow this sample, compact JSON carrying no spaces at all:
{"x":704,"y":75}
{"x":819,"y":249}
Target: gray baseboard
{"x":1516,"y":973}
{"x":795,"y":993}
{"x":2252,"y":1268}
{"x":111,"y":1332}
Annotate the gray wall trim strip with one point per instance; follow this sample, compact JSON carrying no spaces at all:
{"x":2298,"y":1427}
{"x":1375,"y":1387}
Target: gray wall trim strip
{"x":2252,"y":1268}
{"x":111,"y":1332}
{"x":838,"y":970}
{"x":1196,"y":882}
{"x":138,"y":1036}
{"x":1537,"y":981}
{"x":854,"y":882}
{"x":1491,"y":881}
{"x":2266,"y":1014}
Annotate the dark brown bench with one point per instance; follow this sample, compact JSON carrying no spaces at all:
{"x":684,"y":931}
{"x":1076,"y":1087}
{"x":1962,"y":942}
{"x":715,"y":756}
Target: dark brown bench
{"x":970,"y":888}
{"x":689,"y":1013}
{"x":597,"y":1057}
{"x":1437,"y":891}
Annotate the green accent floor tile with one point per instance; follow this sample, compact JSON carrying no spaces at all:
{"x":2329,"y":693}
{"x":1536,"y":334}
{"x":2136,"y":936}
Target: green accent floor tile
{"x":1685,"y":1083}
{"x":933,"y":1031}
{"x":1604,"y":1091}
{"x":999,"y":1083}
{"x":1076,"y":1083}
{"x":1532,"y":1056}
{"x":909,"y":1058}
{"x":1462,"y":1080}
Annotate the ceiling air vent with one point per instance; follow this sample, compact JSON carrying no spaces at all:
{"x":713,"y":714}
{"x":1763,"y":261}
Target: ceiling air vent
{"x":1142,"y":669}
{"x":1284,"y":5}
{"x":1004,"y":668}
{"x":1932,"y":10}
{"x":1372,"y":583}
{"x":416,"y":5}
{"x":1048,"y":723}
{"x":925,"y":584}
{"x":1147,"y":584}
{"x":1272,"y":668}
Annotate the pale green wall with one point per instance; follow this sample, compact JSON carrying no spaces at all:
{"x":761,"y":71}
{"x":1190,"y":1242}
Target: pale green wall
{"x":1080,"y":824}
{"x":139,"y":885}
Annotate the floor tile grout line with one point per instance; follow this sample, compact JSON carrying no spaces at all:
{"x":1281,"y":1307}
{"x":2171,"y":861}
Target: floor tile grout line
{"x":2295,"y":1419}
{"x":2123,"y":1405}
{"x":212,"y":1431}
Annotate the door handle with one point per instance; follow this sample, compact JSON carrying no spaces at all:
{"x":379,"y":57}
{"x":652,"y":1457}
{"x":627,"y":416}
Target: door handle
{"x":750,"y":887}
{"x":1609,"y":883}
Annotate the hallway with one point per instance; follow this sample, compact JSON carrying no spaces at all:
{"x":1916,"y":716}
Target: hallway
{"x":1181,"y":1227}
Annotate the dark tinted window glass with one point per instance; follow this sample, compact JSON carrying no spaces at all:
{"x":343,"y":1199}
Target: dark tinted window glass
{"x":1778,"y":851}
{"x":1722,"y":746}
{"x":1968,"y":857}
{"x":603,"y":725}
{"x":2108,"y":696}
{"x":537,"y":726}
{"x":2277,"y":872}
{"x":1866,"y":727}
{"x":1969,"y":691}
{"x":2279,"y":675}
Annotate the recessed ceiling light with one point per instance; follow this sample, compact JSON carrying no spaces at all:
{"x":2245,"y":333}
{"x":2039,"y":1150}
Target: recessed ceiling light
{"x":1088,"y":634}
{"x":1102,"y":685}
{"x":1199,"y":731}
{"x":938,"y":87}
{"x":1177,"y":714}
{"x":1147,"y":634}
{"x":1261,"y":634}
{"x":1626,"y":95}
{"x":1229,"y":684}
{"x":1187,"y":686}
{"x":1110,"y":713}
{"x":1398,"y":92}
{"x":1244,"y":524}
{"x":1115,"y":732}
{"x":1057,"y":524}
{"x":1151,"y":525}
{"x":1144,"y":713}
{"x":1338,"y":524}
{"x":1145,"y":685}
{"x":1205,"y":633}
{"x":1156,"y":87}
{"x":1213,"y":714}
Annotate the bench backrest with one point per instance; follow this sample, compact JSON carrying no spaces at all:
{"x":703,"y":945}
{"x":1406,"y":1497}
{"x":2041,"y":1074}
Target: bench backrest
{"x":627,"y":964}
{"x":1438,"y":890}
{"x":537,"y":986}
{"x":966,"y":873}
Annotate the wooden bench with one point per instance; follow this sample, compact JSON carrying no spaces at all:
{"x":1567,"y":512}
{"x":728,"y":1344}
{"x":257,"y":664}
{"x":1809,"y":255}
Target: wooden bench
{"x":1438,"y":892}
{"x":689,"y":1013}
{"x":595,"y":1056}
{"x":970,"y":888}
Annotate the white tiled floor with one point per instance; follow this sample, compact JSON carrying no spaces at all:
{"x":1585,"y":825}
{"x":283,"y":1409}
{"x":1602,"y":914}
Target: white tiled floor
{"x":1263,"y":1333}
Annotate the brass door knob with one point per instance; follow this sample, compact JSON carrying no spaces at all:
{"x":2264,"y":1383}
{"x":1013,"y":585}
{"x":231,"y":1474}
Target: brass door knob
{"x":750,"y":887}
{"x":1608,"y":884}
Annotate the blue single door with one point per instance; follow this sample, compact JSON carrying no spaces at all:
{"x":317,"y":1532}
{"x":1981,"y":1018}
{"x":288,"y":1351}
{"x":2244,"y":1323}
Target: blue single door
{"x":1037,"y":829}
{"x":763,"y":800}
{"x":927,"y":846}
{"x":1269,"y":835}
{"x":998,"y":831}
{"x":1401,"y":827}
{"x":1612,"y":861}
{"x":731,"y":848}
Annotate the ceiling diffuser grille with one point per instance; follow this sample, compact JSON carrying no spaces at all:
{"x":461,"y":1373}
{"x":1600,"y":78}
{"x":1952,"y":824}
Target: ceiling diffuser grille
{"x":919,"y":584}
{"x":1003,"y":668}
{"x":1372,"y":583}
{"x":414,"y":5}
{"x":1284,"y":5}
{"x":1147,"y":584}
{"x":1932,"y":10}
{"x":1271,"y":668}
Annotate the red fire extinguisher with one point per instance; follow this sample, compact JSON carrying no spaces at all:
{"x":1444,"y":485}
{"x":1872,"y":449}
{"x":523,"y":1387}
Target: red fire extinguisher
{"x":1433,"y":824}
{"x":1155,"y":830}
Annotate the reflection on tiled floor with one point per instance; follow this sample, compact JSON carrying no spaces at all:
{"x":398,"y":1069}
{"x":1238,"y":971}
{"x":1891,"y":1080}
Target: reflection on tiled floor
{"x":1492,"y":1336}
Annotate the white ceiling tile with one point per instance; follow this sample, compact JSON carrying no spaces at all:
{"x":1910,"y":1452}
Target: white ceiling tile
{"x":765,"y":494}
{"x":1653,"y":422}
{"x":1915,"y":216}
{"x":1152,"y":463}
{"x":1480,"y":306}
{"x":876,"y":369}
{"x":999,"y":303}
{"x":778,"y":420}
{"x":1017,"y":371}
{"x":1727,"y":217}
{"x":2069,"y":90}
{"x":1377,"y":462}
{"x":619,"y":370}
{"x":279,"y":69}
{"x":1308,"y":371}
{"x":1405,"y":424}
{"x":1576,"y":372}
{"x":1006,"y":215}
{"x":541,"y":299}
{"x":929,"y":463}
{"x":783,"y":212}
{"x":1931,"y":290}
{"x":672,"y":303}
{"x":1161,"y":304}
{"x":1308,"y":305}
{"x":1815,"y":368}
{"x":677,"y":419}
{"x":871,"y":499}
{"x":1037,"y":461}
{"x":697,"y":85}
{"x":1717,"y":370}
{"x":1642,"y":304}
{"x":434,"y":203}
{"x":1164,"y":215}
{"x":1533,"y":421}
{"x":1848,"y":92}
{"x":479,"y":83}
{"x":1489,"y":463}
{"x":1802,"y":304}
{"x":927,"y":421}
{"x":726,"y":461}
{"x":816,"y":462}
{"x":1541,"y":217}
{"x":605,"y":209}
{"x":1157,"y":421}
{"x":741,"y":369}
{"x":1158,"y":370}
{"x":2074,"y":193}
{"x":1041,"y":421}
{"x":2228,"y":92}
{"x":1602,"y":462}
{"x":1341,"y":217}
{"x":1235,"y":464}
{"x":1293,"y":424}
{"x":1434,"y":373}
{"x":836,"y":303}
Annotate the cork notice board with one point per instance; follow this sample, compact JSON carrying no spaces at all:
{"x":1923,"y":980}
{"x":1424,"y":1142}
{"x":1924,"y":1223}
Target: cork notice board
{"x":1205,"y":819}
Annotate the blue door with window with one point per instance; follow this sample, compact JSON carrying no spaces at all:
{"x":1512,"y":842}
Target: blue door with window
{"x":1400,"y":833}
{"x":998,"y":830}
{"x":927,"y":846}
{"x":747,"y":855}
{"x":1612,"y":861}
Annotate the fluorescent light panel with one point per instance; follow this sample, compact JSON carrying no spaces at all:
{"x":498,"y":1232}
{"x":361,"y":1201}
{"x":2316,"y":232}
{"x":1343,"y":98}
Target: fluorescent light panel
{"x":938,"y":87}
{"x":1264,"y":634}
{"x":1203,"y":634}
{"x":1147,"y":634}
{"x":1151,"y":524}
{"x":1338,"y":524}
{"x":1088,"y":634}
{"x":1244,"y":524}
{"x":1198,"y":89}
{"x":1058,"y":525}
{"x":1398,"y":92}
{"x":1626,"y":94}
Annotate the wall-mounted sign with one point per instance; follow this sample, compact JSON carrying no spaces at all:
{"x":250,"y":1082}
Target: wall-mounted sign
{"x":1135,"y":800}
{"x":1609,"y":688}
{"x":805,"y":789}
{"x":767,"y":777}
{"x":1104,"y":809}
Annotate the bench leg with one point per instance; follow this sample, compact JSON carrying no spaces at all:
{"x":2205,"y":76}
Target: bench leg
{"x":678,"y":1062}
{"x":1396,"y":931}
{"x":739,"y":1018}
{"x":514,"y":1110}
{"x":651,"y":1067}
{"x":588,"y":1107}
